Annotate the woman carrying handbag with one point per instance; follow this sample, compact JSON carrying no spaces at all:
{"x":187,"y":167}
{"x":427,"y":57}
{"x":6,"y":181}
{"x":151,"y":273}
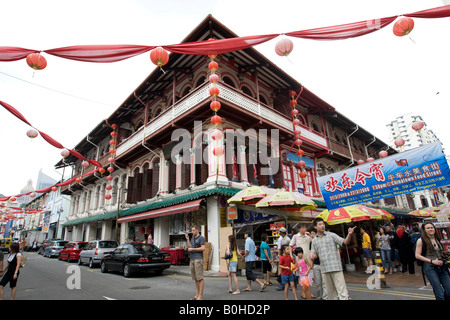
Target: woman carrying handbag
{"x":231,"y":255}
{"x":11,"y":273}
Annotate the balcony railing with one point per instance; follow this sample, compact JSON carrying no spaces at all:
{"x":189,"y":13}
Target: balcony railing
{"x":228,"y":94}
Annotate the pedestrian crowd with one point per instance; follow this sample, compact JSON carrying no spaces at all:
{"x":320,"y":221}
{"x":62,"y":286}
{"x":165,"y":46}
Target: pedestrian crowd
{"x":311,"y":258}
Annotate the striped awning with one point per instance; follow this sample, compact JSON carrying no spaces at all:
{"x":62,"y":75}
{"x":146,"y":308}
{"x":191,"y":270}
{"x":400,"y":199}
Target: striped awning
{"x":179,"y":208}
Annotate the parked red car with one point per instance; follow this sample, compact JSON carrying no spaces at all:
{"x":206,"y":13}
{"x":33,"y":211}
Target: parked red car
{"x":71,"y":251}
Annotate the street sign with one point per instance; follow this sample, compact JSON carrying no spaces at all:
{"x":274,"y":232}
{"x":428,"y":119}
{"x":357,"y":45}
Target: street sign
{"x":410,"y":171}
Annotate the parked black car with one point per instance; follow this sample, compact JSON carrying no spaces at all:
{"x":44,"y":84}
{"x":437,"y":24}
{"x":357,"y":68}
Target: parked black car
{"x":130,"y":258}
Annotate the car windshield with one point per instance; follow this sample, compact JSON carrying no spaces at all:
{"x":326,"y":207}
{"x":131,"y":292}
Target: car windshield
{"x":81,"y":245}
{"x":146,"y":248}
{"x":107,"y":244}
{"x":61,"y":243}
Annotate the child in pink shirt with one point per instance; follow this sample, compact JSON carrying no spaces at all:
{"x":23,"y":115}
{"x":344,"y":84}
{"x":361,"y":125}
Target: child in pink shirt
{"x":304,"y":279}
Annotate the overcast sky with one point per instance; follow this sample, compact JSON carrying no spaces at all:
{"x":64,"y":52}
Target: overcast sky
{"x":371,"y":79}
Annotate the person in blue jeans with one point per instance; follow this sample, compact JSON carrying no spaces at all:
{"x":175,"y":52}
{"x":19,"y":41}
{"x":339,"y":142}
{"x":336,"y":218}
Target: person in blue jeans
{"x":429,"y":252}
{"x":385,"y":250}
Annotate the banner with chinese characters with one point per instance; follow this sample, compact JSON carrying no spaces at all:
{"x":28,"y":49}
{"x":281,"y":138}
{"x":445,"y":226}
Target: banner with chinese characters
{"x":410,"y":171}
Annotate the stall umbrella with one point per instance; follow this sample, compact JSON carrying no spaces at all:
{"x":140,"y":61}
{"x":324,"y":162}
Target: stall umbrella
{"x":251,"y":195}
{"x":421,"y":213}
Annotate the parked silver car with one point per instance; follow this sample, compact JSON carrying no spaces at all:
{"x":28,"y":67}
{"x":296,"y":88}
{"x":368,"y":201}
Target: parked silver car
{"x":54,"y":248}
{"x":93,"y":252}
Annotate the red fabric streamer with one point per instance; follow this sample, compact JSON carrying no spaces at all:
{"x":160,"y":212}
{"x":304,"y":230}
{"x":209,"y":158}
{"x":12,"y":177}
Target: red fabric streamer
{"x":344,"y":31}
{"x":14,"y":53}
{"x":100,"y":53}
{"x":15,"y":112}
{"x":45,"y":136}
{"x":114,"y":53}
{"x":219,"y":46}
{"x":439,"y":12}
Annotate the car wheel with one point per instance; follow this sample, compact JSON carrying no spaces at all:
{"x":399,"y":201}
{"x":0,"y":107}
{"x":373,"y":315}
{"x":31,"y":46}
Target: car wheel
{"x":126,"y":270}
{"x":103,"y":268}
{"x":91,"y":263}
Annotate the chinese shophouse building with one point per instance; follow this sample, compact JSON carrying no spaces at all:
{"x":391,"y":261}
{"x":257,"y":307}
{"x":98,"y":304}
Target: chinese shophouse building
{"x":166,"y":177}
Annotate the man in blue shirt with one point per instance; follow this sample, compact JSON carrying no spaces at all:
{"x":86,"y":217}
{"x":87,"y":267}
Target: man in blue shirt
{"x":250,"y":258}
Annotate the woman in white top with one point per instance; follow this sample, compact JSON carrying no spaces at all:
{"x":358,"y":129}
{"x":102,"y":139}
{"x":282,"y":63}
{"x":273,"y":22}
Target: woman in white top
{"x":385,"y":248}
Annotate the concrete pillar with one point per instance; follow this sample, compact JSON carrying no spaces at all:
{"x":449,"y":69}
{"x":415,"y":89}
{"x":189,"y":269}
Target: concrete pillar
{"x":216,"y":164}
{"x":192,"y":155}
{"x":161,"y":236}
{"x":177,"y":172}
{"x":213,"y":221}
{"x":107,"y":230}
{"x":243,"y":164}
{"x":123,"y":232}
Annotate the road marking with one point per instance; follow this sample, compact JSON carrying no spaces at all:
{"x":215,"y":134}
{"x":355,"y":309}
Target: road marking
{"x":395,"y":293}
{"x":108,"y":298}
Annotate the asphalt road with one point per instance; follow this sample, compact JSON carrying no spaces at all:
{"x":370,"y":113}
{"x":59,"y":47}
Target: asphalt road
{"x":51,"y":279}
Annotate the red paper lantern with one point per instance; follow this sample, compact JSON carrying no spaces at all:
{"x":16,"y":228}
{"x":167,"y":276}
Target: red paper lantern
{"x":360,"y":161}
{"x":293,"y":103}
{"x":294,"y":112}
{"x":213,"y":66}
{"x":32,"y":133}
{"x":303,"y":174}
{"x":101,"y":170}
{"x":399,"y":142}
{"x":284,"y":47}
{"x":110,"y":169}
{"x":301,"y":163}
{"x":114,"y":126}
{"x":109,"y":178}
{"x":112,"y":151}
{"x":159,"y":56}
{"x":296,"y":122}
{"x":298,"y":142}
{"x":85,"y":164}
{"x":107,"y":196}
{"x":297,"y":132}
{"x":292,"y":94}
{"x":213,"y":78}
{"x":65,"y":153}
{"x":383,"y":154}
{"x":108,"y":187}
{"x":370,"y":159}
{"x":215,"y":106}
{"x":216,"y":135}
{"x":113,"y":134}
{"x":418,"y":125}
{"x":12,"y":199}
{"x":111,"y":160}
{"x":214,"y":91}
{"x":36,"y":61}
{"x":218,"y":151}
{"x":216,"y":120}
{"x":54,"y":189}
{"x":78,"y":180}
{"x":112,"y":142}
{"x":300,"y":152}
{"x":212,"y":55}
{"x":32,"y":195}
{"x":403,"y":26}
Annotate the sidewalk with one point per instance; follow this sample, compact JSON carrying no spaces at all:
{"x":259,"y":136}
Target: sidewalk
{"x":397,"y":279}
